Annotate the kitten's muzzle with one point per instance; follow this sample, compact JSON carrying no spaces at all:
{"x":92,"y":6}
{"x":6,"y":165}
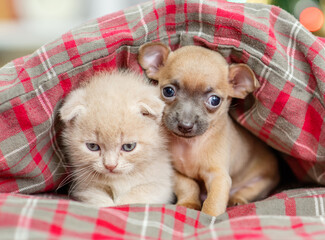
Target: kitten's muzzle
{"x":110,"y":167}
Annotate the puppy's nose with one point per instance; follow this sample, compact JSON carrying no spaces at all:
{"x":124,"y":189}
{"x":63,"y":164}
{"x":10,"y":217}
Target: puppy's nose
{"x":185,"y":127}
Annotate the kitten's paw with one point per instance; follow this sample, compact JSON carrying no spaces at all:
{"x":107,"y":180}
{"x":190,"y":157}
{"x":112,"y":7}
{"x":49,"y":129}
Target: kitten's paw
{"x":191,"y":205}
{"x":236,"y":201}
{"x":94,"y":197}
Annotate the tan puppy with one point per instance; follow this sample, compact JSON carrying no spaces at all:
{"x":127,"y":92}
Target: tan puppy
{"x":197,"y":86}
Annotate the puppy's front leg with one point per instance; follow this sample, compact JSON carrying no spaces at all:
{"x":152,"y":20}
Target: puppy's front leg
{"x":218,"y":183}
{"x":187,"y":191}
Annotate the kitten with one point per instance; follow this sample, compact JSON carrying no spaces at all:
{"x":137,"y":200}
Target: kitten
{"x":115,"y":142}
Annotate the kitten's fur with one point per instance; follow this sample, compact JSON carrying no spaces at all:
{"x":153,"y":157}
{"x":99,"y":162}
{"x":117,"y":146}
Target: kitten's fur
{"x":110,"y":110}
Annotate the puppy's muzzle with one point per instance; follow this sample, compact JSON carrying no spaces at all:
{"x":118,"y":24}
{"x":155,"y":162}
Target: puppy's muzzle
{"x":185,"y":127}
{"x":186,"y":118}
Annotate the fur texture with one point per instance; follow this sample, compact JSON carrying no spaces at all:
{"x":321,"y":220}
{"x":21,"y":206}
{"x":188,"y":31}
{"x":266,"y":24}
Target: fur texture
{"x":117,"y":150}
{"x":207,"y":146}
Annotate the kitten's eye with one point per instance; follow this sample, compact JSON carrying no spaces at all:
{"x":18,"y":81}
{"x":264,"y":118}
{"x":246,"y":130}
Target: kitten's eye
{"x":128,"y":147}
{"x":169,"y":92}
{"x":213,"y":101}
{"x":93,"y":147}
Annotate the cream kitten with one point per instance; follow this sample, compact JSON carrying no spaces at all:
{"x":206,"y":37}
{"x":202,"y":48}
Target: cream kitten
{"x":115,"y":143}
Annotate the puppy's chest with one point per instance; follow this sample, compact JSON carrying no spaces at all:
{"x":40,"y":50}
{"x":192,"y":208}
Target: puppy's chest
{"x":186,"y":159}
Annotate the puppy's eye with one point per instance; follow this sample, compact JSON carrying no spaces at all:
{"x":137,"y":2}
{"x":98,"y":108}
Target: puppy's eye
{"x":128,"y":147}
{"x":93,"y":147}
{"x":168,"y":92}
{"x":213,"y":101}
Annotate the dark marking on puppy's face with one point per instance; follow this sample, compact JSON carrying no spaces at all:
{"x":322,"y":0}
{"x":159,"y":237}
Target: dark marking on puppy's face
{"x":184,"y":113}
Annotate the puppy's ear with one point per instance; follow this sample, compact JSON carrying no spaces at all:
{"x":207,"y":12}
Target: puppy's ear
{"x":152,"y":56}
{"x":73,"y":106}
{"x":152,"y":108}
{"x":242,"y":80}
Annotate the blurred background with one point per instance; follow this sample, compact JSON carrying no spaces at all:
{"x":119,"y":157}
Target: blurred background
{"x":25,"y":25}
{"x":309,"y":12}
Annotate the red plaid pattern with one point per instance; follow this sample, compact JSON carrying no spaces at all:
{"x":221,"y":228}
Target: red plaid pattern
{"x":287,"y":59}
{"x":288,"y":114}
{"x":293,"y":214}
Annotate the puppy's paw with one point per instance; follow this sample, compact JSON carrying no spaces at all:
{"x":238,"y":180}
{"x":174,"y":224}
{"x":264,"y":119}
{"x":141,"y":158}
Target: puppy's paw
{"x":215,"y":211}
{"x":236,"y":201}
{"x":191,"y":205}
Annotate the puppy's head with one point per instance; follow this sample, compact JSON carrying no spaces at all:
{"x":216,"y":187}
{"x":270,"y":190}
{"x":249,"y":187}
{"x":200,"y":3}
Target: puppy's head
{"x":196,"y":84}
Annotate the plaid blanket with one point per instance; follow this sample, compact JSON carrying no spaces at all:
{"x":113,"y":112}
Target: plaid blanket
{"x":295,"y":214}
{"x":288,"y":61}
{"x":287,"y":113}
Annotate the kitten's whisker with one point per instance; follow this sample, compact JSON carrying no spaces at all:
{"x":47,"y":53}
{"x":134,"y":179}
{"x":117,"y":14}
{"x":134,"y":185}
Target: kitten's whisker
{"x":67,"y":179}
{"x":64,"y":182}
{"x":78,"y":175}
{"x":80,"y":179}
{"x":78,"y":170}
{"x":76,"y":165}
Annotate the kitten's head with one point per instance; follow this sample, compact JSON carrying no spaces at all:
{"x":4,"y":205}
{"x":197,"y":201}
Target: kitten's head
{"x":113,"y":125}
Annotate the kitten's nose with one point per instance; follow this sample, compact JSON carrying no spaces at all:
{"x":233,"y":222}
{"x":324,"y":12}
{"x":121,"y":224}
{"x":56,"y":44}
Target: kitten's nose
{"x":185,"y":127}
{"x":110,"y":167}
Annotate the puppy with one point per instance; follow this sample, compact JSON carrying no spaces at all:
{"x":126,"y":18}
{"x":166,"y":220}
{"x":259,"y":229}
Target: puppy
{"x":197,"y":86}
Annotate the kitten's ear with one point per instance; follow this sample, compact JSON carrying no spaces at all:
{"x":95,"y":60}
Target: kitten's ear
{"x":73,"y":106}
{"x":152,"y":108}
{"x":153,"y":56}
